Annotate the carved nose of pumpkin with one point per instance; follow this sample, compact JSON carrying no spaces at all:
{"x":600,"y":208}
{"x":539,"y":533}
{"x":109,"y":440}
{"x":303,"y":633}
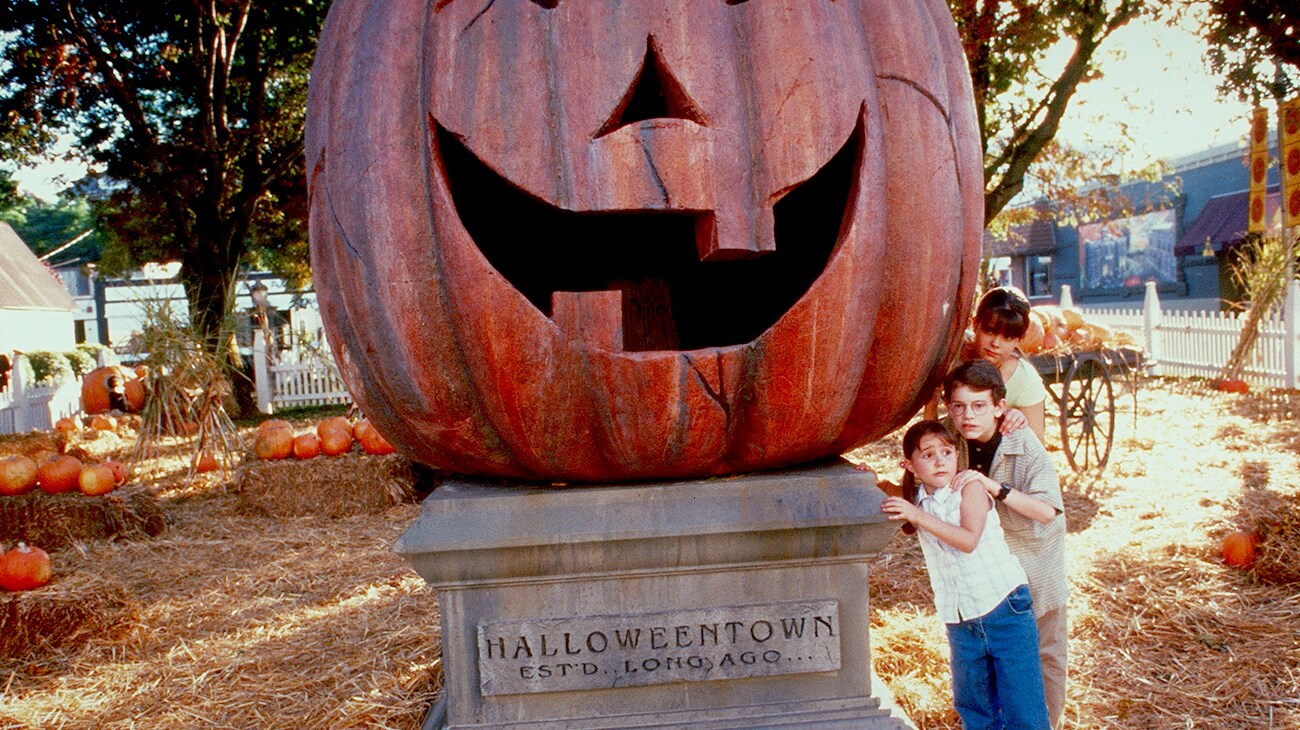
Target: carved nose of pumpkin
{"x":655,"y":93}
{"x":728,"y":232}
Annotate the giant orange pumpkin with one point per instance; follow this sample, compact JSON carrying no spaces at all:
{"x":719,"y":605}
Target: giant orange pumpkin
{"x":596,"y":241}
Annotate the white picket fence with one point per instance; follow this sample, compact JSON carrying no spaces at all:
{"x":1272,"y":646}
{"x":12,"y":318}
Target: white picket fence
{"x":1179,"y":343}
{"x":294,"y":384}
{"x":1200,"y":343}
{"x":25,"y":406}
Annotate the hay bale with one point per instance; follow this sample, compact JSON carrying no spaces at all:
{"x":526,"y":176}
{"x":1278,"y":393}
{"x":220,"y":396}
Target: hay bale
{"x":1277,"y":561}
{"x":331,"y":486}
{"x":34,"y":444}
{"x":63,"y":615}
{"x":53,"y":521}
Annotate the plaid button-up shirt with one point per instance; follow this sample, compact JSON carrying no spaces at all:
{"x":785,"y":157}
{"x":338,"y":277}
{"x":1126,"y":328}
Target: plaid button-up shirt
{"x":1022,"y":462}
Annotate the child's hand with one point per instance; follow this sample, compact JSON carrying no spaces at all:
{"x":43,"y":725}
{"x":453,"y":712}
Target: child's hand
{"x":970,"y":477}
{"x":868,"y":469}
{"x":897,"y":508}
{"x":1013,"y":420}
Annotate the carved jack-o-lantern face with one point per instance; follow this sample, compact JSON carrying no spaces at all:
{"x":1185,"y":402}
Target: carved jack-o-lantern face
{"x":606,"y":241}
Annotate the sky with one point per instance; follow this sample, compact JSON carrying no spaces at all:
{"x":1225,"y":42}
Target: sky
{"x":1157,"y":87}
{"x":1155,"y":82}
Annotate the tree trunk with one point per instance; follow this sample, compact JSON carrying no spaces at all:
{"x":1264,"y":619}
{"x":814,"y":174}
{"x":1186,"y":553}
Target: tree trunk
{"x":208,"y":280}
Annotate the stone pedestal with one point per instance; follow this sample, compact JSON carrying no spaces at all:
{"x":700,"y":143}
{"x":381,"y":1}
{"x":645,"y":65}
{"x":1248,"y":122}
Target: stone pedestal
{"x":735,"y":602}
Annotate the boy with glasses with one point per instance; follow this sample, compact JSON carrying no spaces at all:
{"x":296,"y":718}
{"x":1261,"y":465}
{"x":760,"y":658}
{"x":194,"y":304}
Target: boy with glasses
{"x":1017,"y":472}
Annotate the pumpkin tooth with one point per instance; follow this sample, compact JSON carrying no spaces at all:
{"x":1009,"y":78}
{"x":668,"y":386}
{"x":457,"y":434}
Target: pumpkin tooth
{"x":594,"y":318}
{"x":732,"y":237}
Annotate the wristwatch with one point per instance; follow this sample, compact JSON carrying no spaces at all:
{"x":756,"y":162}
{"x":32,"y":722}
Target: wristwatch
{"x":1002,"y":493}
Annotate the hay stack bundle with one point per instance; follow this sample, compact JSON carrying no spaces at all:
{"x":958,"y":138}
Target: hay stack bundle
{"x":1277,"y":561}
{"x":54,"y":521}
{"x":334,"y":487}
{"x":62,"y":615}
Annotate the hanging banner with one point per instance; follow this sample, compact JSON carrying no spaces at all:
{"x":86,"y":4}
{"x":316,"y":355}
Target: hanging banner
{"x":1289,"y":123}
{"x":1258,"y":170}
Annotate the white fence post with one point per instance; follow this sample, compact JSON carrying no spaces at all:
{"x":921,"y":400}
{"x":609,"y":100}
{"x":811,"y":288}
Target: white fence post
{"x":1151,"y":317}
{"x":1290,"y":329}
{"x":262,"y":373}
{"x":19,"y":382}
{"x":1067,"y":297}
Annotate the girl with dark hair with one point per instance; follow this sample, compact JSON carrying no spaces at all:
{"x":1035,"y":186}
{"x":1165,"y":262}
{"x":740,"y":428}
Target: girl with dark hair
{"x":981,"y":591}
{"x":1000,"y":322}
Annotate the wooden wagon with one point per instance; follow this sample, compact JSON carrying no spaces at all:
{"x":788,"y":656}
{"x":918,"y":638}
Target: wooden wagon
{"x":1083,"y":385}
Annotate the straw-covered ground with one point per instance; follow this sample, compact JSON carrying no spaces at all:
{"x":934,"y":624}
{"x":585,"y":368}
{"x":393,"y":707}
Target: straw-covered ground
{"x":253,"y":610}
{"x":1163,"y":634}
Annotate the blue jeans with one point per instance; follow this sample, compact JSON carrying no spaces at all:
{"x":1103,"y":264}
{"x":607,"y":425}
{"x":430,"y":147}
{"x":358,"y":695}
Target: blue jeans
{"x":997,"y":681}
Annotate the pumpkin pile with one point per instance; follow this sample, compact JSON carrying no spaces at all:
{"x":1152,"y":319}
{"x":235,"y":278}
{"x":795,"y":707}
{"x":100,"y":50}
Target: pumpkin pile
{"x":275,"y":439}
{"x":1064,"y":329}
{"x":57,"y":474}
{"x":100,"y":422}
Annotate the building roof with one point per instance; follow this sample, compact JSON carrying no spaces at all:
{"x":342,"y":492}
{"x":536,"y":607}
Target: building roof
{"x":1034,"y":238}
{"x":26,"y":283}
{"x":1223,"y":222}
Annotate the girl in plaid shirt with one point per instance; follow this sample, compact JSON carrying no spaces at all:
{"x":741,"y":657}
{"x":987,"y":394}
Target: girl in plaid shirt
{"x":980,"y":590}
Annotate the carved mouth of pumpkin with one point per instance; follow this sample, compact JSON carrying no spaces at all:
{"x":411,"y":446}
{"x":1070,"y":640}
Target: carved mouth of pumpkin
{"x":633,"y":280}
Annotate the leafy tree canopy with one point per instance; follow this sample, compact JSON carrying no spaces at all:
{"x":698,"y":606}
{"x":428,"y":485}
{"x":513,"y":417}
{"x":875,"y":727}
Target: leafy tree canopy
{"x":47,"y":226}
{"x":1027,"y":59}
{"x":194,"y":111}
{"x":1254,"y":46}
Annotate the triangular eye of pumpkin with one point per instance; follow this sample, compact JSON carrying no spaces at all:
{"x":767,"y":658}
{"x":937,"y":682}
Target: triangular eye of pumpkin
{"x":655,"y":94}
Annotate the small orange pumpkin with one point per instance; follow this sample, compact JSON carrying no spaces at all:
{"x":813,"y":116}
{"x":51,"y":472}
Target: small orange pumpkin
{"x":60,"y":474}
{"x":1239,"y":549}
{"x":338,"y":422}
{"x":273,"y":443}
{"x":96,"y":480}
{"x":206,"y":463}
{"x":306,"y":446}
{"x":1032,"y":342}
{"x":1051,"y":315}
{"x":65,"y":425}
{"x":371,"y":440}
{"x":335,"y":441}
{"x":24,"y":568}
{"x":1233,"y":385}
{"x":102,"y":423}
{"x":273,"y":423}
{"x":120,"y":472}
{"x":17,"y":475}
{"x":1073,"y":317}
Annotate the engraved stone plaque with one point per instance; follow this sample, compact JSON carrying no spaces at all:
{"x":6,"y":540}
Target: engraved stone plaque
{"x":594,"y":652}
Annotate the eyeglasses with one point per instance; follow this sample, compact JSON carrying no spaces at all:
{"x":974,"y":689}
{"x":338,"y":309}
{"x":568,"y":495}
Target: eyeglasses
{"x":978,"y":408}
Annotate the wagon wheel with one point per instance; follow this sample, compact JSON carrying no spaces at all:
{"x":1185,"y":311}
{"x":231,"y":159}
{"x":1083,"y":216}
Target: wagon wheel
{"x":1087,"y":415}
